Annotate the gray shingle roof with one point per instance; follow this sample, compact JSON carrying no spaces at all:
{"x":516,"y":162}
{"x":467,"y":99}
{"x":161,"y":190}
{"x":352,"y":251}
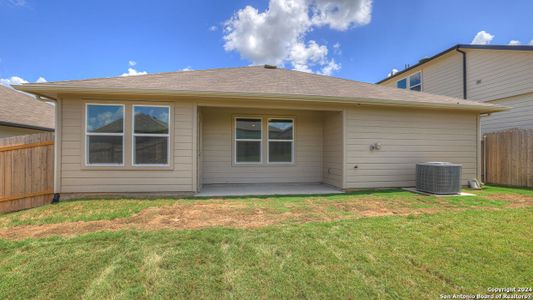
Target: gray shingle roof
{"x":19,"y":109}
{"x":256,"y":80}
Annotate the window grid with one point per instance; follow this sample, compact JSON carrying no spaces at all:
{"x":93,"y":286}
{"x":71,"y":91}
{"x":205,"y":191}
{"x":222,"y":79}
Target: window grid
{"x":134,"y":135}
{"x":278,"y":140}
{"x":236,"y":140}
{"x":88,"y":134}
{"x":408,"y":85}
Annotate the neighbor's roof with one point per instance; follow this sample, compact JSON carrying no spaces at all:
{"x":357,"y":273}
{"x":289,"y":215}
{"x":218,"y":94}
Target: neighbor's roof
{"x":257,"y":82}
{"x":460,"y":46}
{"x":21,"y":110}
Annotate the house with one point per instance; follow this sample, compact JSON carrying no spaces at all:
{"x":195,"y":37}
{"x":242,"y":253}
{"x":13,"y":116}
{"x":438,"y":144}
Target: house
{"x":495,"y":74}
{"x":179,"y":132}
{"x":21,"y":114}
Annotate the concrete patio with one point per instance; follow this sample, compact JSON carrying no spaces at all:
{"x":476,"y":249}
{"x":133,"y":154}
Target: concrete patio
{"x":247,"y":189}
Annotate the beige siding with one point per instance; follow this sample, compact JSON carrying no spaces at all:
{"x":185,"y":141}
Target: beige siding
{"x":407,"y":137}
{"x":496,"y":74}
{"x":333,"y":148}
{"x":7,"y":131}
{"x":217,"y":145}
{"x":76,"y":178}
{"x":442,"y":76}
{"x":520,"y":116}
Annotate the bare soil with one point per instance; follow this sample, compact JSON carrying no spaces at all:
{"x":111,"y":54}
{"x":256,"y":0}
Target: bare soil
{"x":224,"y":213}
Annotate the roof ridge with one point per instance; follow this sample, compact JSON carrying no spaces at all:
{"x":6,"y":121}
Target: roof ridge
{"x":142,"y":75}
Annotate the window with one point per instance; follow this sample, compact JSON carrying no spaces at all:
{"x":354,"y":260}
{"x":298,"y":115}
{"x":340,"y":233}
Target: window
{"x":151,"y":135}
{"x":280,"y":140}
{"x":104,"y":130}
{"x":248,"y":136}
{"x":415,"y":82}
{"x":401,"y":84}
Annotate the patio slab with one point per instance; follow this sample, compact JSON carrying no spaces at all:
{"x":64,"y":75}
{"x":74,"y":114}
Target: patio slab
{"x":233,"y":189}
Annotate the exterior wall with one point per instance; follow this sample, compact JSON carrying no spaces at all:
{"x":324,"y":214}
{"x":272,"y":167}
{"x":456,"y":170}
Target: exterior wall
{"x":442,"y":76}
{"x":7,"y":131}
{"x":75,"y":177}
{"x":407,"y":137}
{"x":520,"y":116}
{"x":333,"y":148}
{"x":217,"y":148}
{"x":494,"y":74}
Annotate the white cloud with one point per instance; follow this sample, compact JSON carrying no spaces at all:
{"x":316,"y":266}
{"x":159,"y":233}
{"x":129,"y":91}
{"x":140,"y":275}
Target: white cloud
{"x":188,"y":68}
{"x":530,"y":42}
{"x":392,"y":72}
{"x":41,"y":80}
{"x":329,"y":68}
{"x":337,"y":48}
{"x":514,"y":42}
{"x":133,"y":72}
{"x":17,"y":2}
{"x":13,"y":80}
{"x":277,"y":35}
{"x":341,"y":14}
{"x":132,"y":63}
{"x":213,"y":28}
{"x":482,"y":38}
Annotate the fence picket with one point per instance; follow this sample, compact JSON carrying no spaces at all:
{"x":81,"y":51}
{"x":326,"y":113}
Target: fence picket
{"x":26,"y":171}
{"x":509,"y":157}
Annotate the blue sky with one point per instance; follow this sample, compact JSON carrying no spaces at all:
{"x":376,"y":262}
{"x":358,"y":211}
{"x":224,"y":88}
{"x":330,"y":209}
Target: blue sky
{"x":60,"y":40}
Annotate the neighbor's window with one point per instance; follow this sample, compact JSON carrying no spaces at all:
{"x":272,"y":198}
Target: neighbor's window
{"x":280,"y":140}
{"x":401,"y":84}
{"x":151,"y":135}
{"x":104,"y":131}
{"x":415,"y":82}
{"x":248,"y":136}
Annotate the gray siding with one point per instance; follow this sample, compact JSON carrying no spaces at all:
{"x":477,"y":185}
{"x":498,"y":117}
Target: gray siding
{"x":217,"y":144}
{"x":333,"y":148}
{"x":520,"y":116}
{"x":76,"y":178}
{"x":407,"y":137}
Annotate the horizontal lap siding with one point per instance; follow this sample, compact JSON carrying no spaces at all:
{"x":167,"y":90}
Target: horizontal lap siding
{"x":442,"y":76}
{"x":407,"y":137}
{"x":77,"y":179}
{"x":217,"y":153}
{"x":333,"y":145}
{"x":520,"y":116}
{"x":499,"y":74}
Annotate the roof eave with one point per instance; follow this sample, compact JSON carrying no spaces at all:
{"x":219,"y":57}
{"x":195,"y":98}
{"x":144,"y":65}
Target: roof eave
{"x":25,"y":126}
{"x":460,"y":46}
{"x":42,"y":89}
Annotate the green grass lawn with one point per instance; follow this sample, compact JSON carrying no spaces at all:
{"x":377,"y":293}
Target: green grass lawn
{"x":466,"y":245}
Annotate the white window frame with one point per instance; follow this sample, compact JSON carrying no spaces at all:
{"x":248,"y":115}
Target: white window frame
{"x":133,"y":135}
{"x":88,"y":134}
{"x":291,"y":140}
{"x":406,"y":83}
{"x":410,"y":87}
{"x":235,"y":140}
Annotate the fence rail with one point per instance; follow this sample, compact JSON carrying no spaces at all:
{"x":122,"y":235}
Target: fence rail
{"x":508,"y":157}
{"x":26,"y":171}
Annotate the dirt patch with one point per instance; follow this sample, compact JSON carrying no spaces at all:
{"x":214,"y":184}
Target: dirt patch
{"x":224,"y":213}
{"x":516,"y":200}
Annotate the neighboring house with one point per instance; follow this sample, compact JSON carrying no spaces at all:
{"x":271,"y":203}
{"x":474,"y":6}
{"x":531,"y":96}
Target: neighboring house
{"x":22,"y":114}
{"x":495,"y":74}
{"x":175,"y":132}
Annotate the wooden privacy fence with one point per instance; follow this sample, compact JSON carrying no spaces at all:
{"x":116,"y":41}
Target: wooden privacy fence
{"x":26,"y":171}
{"x":508,"y":157}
